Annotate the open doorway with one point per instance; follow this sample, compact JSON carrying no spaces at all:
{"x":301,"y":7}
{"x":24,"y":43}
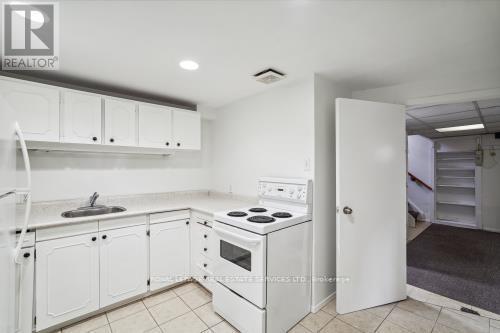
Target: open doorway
{"x":454,"y":201}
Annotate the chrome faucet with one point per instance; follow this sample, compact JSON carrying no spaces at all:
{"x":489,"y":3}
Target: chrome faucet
{"x":93,"y":199}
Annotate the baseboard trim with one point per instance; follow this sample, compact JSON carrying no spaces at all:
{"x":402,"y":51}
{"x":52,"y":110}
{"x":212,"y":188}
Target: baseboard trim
{"x":316,"y":307}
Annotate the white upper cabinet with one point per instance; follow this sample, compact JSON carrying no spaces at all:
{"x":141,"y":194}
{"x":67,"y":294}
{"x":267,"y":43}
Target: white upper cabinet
{"x":124,"y":262}
{"x":186,"y":129}
{"x":120,"y":122}
{"x":81,"y":117}
{"x":155,"y":126}
{"x":36,"y":107}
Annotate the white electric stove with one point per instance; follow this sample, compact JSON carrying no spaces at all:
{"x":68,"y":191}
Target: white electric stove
{"x":263,"y":258}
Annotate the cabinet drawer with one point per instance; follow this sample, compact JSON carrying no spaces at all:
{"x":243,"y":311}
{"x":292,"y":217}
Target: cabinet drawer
{"x":239,"y":312}
{"x":202,"y":220}
{"x":122,"y":222}
{"x":66,"y":231}
{"x":169,"y":216}
{"x":204,"y":278}
{"x":206,"y":265}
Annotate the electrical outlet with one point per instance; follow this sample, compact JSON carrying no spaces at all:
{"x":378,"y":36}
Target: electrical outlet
{"x":307,"y":164}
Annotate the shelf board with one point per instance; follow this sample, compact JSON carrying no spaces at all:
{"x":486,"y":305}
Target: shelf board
{"x":467,"y":224}
{"x":456,"y":159}
{"x":457,"y":169}
{"x":457,"y":203}
{"x":456,"y":177}
{"x":458,"y":186}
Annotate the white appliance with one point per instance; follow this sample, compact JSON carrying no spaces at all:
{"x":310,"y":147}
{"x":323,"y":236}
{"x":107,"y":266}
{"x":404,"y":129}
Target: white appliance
{"x":263,"y":259}
{"x":13,"y":260}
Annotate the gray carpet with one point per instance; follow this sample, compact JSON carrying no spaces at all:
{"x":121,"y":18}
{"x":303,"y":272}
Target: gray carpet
{"x":458,"y":263}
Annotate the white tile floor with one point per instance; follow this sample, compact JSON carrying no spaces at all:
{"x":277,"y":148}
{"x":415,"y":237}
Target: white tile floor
{"x":188,"y":309}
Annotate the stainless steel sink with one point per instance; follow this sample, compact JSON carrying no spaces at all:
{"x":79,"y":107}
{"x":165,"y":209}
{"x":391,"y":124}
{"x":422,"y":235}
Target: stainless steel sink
{"x":91,"y":211}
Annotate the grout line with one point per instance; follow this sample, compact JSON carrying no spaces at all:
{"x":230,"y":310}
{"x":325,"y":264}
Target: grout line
{"x":437,"y":318}
{"x":157,"y":325}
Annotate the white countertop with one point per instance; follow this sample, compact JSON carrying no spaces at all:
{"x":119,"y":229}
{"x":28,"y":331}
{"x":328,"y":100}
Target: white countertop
{"x":48,"y":214}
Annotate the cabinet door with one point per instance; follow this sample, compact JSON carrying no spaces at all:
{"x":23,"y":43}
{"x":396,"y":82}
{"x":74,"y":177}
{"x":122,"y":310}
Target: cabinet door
{"x":120,"y":123}
{"x":169,"y":253}
{"x":155,"y":126}
{"x":123,"y":264}
{"x":67,"y":279}
{"x":187,"y":129}
{"x":36,"y":107}
{"x":81,"y":118}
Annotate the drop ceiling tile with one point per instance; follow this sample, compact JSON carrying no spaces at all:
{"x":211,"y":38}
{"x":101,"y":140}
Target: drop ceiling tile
{"x":440,"y":109}
{"x":495,"y":110}
{"x":489,"y":103}
{"x":451,"y":117}
{"x":426,"y":132}
{"x":460,"y":122}
{"x":492,"y":119}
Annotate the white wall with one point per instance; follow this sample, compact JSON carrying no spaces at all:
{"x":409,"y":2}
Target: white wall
{"x":324,"y":226}
{"x":60,"y":175}
{"x":421,"y":164}
{"x":269,"y":134}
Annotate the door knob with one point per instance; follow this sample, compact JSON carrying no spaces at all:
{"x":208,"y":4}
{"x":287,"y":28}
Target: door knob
{"x":347,"y":210}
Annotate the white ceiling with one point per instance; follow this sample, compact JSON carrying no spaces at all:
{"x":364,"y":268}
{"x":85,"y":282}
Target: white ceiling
{"x":425,"y":119}
{"x":363,"y":44}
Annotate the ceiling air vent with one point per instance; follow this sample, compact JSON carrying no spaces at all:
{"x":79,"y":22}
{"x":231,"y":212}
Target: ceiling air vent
{"x":269,"y":76}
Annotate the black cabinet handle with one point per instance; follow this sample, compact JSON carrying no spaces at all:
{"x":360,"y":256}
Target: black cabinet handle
{"x":104,"y":236}
{"x":204,"y":265}
{"x":27,"y":255}
{"x":187,"y":222}
{"x":111,"y":140}
{"x":94,"y":138}
{"x":94,"y":239}
{"x":204,"y":277}
{"x":205,"y":249}
{"x":178,"y":144}
{"x":205,"y":222}
{"x":167,"y":143}
{"x":205,"y":236}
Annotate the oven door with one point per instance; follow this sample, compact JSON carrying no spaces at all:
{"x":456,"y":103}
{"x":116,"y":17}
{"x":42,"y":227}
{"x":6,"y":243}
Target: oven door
{"x":240,"y":262}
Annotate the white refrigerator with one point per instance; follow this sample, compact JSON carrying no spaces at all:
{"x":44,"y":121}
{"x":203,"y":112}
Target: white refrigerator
{"x":10,"y":248}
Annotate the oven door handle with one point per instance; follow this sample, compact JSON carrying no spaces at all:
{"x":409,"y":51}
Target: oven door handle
{"x":236,"y":236}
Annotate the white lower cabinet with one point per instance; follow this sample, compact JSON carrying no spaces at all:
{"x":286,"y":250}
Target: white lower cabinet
{"x":123,"y":264}
{"x":169,"y":253}
{"x":67,"y":279}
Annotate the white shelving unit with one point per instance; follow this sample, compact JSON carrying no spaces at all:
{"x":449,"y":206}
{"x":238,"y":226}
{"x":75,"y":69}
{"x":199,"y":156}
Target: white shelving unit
{"x":456,"y":199}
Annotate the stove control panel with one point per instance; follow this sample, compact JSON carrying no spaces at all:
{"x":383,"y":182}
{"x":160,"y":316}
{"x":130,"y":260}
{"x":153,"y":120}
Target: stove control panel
{"x":293,"y":191}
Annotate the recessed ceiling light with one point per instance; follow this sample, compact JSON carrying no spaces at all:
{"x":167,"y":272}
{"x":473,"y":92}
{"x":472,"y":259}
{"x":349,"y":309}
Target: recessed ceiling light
{"x":189,"y":65}
{"x":460,"y":128}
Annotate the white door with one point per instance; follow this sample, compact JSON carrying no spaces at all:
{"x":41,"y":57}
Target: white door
{"x":67,"y":279}
{"x":187,"y":129}
{"x":169,"y":253}
{"x":155,"y":126}
{"x":371,"y":204}
{"x":123,"y":264}
{"x":36,"y":107}
{"x":81,"y":118}
{"x":120,"y":123}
